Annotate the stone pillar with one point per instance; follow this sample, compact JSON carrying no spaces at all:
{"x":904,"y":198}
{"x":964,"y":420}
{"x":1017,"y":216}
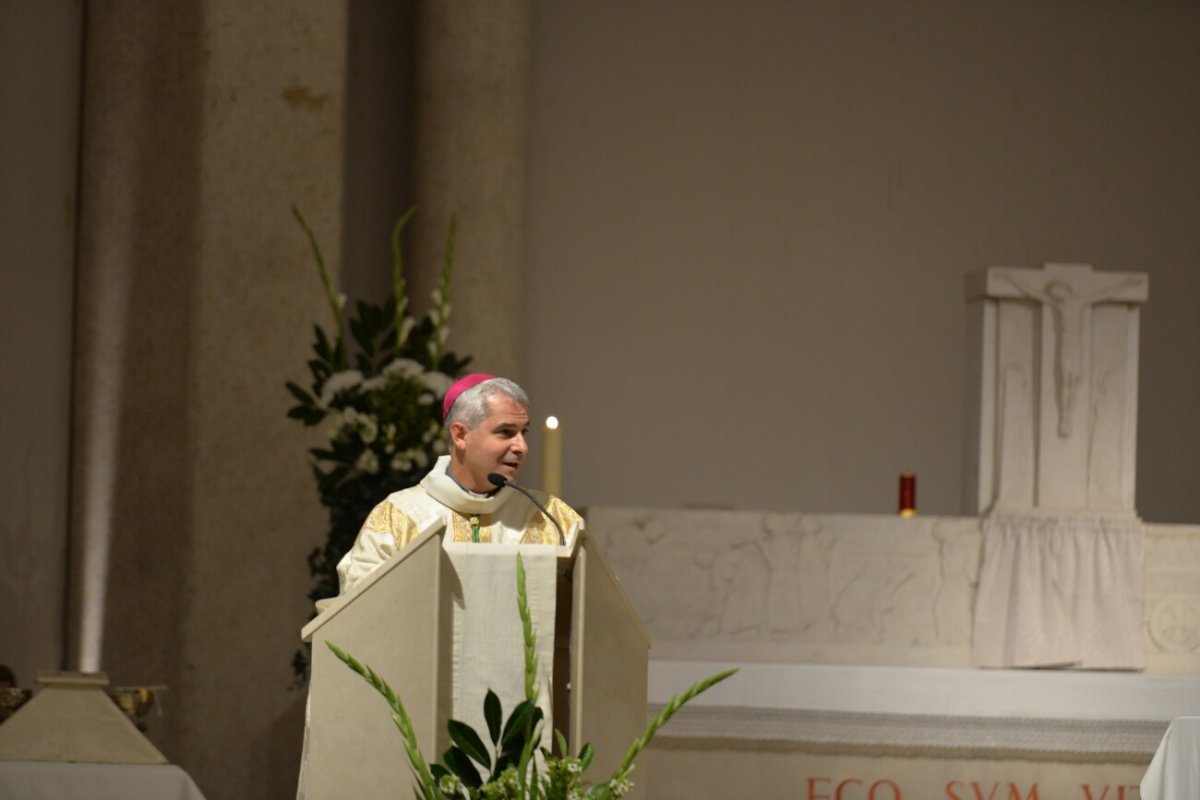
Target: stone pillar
{"x":471,"y":129}
{"x":1057,"y":388}
{"x":39,"y":127}
{"x":193,"y":508}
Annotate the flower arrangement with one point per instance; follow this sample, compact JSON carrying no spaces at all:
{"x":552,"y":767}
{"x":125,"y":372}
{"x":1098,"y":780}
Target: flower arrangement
{"x":377,"y":393}
{"x":507,"y":769}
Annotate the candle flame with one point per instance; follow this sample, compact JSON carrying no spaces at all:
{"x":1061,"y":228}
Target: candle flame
{"x":551,"y":423}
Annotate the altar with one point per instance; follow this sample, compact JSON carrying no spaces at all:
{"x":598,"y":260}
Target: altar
{"x":1038,"y":649}
{"x":853,"y":638}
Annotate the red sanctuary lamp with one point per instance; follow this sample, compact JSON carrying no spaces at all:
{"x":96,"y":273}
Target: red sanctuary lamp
{"x":908,"y":494}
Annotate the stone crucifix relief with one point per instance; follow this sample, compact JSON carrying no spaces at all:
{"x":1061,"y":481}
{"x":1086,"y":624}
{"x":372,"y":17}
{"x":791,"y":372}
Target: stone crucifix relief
{"x":1069,"y":292}
{"x":1055,"y":425}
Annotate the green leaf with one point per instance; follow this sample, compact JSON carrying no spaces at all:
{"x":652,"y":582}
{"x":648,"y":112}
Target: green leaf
{"x":308,"y":416}
{"x":520,"y":720}
{"x":562,"y":743}
{"x":493,"y":714}
{"x":322,"y":347}
{"x":586,"y":755}
{"x":469,"y":742}
{"x":300,"y":394}
{"x":461,"y":765}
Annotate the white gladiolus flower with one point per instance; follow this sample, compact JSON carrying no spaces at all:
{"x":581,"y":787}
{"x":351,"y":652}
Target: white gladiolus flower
{"x":437,"y":382}
{"x":406,"y":328}
{"x":339,"y":382}
{"x":405,"y":367}
{"x":425,"y":400}
{"x":367,"y":462}
{"x":421,"y":458}
{"x":368,"y":429}
{"x":373,"y":384}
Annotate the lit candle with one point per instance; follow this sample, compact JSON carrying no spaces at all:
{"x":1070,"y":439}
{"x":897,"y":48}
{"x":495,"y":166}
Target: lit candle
{"x":552,"y":458}
{"x":908,"y":494}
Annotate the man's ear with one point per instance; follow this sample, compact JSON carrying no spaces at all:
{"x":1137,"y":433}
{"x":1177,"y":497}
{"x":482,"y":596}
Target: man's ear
{"x":458,"y":434}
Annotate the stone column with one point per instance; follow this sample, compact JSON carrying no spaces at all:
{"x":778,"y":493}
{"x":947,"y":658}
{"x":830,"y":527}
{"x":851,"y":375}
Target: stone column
{"x":39,"y":126}
{"x":193,"y":508}
{"x":471,"y":129}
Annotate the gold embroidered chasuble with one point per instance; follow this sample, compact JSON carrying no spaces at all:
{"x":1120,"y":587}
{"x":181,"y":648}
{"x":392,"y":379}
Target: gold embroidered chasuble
{"x":438,"y":501}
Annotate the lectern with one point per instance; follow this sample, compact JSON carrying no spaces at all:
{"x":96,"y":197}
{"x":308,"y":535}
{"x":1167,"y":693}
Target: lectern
{"x":439,"y":622}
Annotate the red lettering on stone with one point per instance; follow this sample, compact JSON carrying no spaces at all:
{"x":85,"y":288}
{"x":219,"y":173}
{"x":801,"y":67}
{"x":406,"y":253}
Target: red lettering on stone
{"x":837,"y":794}
{"x":895,"y":790}
{"x":1087,"y":792}
{"x":1015,"y":794}
{"x":979,"y":791}
{"x":950,"y":790}
{"x":812,"y":787}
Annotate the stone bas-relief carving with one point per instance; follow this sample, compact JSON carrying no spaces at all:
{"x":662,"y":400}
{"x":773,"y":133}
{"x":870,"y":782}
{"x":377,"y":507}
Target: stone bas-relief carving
{"x":1056,"y":410}
{"x":846,"y":589}
{"x":814,"y":587}
{"x":1172,"y":562}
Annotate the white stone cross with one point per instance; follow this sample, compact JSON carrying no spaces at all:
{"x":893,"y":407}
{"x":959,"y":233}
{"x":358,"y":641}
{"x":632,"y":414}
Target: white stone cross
{"x":1056,"y":408}
{"x":1069,"y":291}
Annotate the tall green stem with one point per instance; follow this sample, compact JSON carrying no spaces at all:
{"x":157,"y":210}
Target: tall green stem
{"x":335,"y":302}
{"x":399,"y":286}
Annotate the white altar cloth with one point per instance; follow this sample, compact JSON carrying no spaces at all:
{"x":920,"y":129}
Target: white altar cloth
{"x":1060,"y":590}
{"x":1174,"y":772}
{"x":53,"y":780}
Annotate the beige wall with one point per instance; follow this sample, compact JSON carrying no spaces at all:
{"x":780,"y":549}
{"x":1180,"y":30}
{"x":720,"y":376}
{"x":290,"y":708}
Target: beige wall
{"x":749,"y":227}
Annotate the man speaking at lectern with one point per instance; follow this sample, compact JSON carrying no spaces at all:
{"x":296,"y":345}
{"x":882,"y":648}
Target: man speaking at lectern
{"x":487,"y":422}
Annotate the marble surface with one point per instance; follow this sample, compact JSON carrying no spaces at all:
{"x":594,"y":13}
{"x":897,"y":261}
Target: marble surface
{"x":852,"y":589}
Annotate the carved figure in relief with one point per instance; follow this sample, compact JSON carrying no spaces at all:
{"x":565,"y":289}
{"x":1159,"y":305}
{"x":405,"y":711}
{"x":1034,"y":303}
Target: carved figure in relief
{"x":651,"y":561}
{"x":1068,"y":307}
{"x":816,"y":549}
{"x":906,"y":612}
{"x":780,"y":546}
{"x":737,"y":590}
{"x":857,"y":609}
{"x":1175,"y":625}
{"x":958,"y":557}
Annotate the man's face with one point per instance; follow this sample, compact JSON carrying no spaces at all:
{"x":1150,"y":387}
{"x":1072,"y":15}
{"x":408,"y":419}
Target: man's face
{"x":497,"y":445}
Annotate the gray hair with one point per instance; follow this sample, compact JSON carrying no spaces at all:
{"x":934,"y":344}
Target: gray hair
{"x":471,"y":407}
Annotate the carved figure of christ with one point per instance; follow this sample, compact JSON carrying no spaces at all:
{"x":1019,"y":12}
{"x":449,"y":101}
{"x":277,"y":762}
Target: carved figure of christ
{"x":1069,"y":292}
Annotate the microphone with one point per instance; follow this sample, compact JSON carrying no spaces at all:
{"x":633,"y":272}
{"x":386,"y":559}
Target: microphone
{"x":496,"y":479}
